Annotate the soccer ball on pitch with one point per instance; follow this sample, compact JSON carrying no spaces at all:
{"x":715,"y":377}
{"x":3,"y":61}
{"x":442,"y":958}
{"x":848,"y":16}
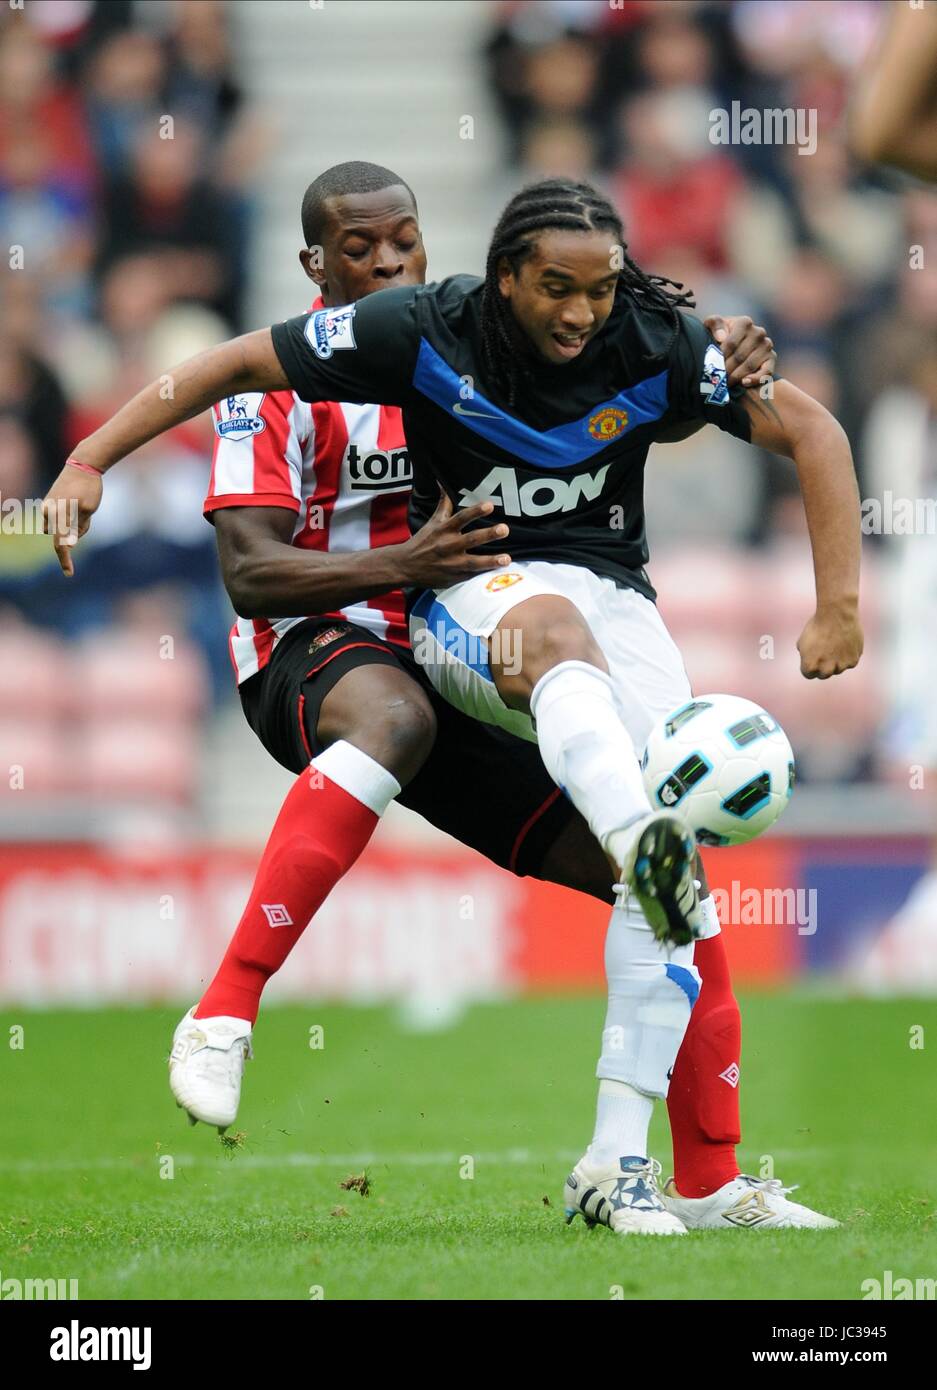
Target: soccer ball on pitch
{"x":724,"y":764}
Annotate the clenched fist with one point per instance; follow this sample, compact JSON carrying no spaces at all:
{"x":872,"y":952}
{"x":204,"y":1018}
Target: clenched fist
{"x":831,"y":642}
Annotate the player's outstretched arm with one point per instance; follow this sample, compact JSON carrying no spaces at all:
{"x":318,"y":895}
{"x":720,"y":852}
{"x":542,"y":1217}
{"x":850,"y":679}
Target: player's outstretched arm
{"x":795,"y":425}
{"x":248,"y":363}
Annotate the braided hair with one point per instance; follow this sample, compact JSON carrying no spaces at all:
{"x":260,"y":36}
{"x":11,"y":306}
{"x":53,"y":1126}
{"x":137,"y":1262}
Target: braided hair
{"x":559,"y":205}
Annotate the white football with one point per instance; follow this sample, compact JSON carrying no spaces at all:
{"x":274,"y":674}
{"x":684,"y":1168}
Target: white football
{"x":724,"y":763}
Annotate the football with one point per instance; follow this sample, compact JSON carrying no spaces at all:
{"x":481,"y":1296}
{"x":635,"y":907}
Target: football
{"x":724,"y":763}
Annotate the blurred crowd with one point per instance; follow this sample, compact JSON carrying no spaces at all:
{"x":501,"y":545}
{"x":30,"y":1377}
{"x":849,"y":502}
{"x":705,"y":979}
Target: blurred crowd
{"x":838,"y":260}
{"x":127,"y":151}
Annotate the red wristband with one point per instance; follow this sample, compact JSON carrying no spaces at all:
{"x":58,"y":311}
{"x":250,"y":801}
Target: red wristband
{"x":86,"y":467}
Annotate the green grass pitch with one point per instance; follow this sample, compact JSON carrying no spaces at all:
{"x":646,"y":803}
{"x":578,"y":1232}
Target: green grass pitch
{"x":832,"y":1090}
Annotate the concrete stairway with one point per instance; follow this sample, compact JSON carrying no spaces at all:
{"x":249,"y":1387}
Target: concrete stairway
{"x":385,"y":80}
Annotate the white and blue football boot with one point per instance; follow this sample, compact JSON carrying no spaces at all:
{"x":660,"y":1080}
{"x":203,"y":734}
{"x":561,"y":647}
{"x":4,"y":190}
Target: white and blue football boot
{"x":624,"y":1197}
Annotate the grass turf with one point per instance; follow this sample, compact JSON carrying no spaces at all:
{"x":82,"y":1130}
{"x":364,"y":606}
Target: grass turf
{"x":832,"y":1091}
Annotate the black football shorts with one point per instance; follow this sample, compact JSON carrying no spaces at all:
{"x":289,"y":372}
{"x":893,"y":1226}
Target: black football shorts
{"x":484,"y":787}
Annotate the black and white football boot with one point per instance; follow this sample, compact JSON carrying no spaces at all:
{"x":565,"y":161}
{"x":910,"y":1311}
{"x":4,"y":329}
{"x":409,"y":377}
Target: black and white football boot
{"x":624,"y":1197}
{"x":657,"y":854}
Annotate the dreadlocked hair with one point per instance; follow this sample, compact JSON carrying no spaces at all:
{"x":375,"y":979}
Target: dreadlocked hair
{"x":559,"y":205}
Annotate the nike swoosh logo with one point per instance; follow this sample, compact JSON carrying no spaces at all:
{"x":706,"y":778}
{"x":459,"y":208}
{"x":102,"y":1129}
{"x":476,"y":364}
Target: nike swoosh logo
{"x":460,"y":409}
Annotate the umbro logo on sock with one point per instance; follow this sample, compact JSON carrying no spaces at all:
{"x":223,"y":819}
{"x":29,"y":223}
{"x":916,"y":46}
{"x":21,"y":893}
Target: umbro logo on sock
{"x":731,"y":1074}
{"x":276,"y":915}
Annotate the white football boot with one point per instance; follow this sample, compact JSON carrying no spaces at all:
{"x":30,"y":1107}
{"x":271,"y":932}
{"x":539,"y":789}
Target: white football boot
{"x":624,"y":1197}
{"x":657,"y":865}
{"x":206,"y":1065}
{"x":744,"y":1202}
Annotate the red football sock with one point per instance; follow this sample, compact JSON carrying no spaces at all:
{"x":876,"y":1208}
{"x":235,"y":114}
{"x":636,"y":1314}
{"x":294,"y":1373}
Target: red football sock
{"x":319,"y":833}
{"x":703,"y":1101}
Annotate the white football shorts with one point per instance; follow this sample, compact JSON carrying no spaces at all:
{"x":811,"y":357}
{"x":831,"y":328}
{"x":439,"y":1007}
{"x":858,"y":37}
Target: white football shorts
{"x":450,"y":630}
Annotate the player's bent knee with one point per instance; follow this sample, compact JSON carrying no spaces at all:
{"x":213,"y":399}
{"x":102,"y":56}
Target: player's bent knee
{"x":398,"y":733}
{"x":385,"y":714}
{"x":541,"y":644}
{"x":568,"y":639}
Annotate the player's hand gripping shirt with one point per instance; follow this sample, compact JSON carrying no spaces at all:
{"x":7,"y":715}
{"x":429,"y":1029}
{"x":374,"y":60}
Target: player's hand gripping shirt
{"x":342,"y":468}
{"x":565,"y":466}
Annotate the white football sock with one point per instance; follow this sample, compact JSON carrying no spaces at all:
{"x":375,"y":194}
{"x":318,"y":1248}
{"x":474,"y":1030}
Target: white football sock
{"x":586,"y":748}
{"x":622,"y":1117}
{"x":651,"y":991}
{"x":357,"y":773}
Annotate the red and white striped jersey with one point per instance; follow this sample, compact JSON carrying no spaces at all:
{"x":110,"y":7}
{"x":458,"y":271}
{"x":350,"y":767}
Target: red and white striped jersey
{"x":343,"y":469}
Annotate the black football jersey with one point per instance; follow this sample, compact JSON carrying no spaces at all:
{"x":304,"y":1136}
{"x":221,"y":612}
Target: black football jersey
{"x":565,"y":465}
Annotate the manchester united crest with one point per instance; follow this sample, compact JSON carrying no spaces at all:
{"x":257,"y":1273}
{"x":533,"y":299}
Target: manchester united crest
{"x":502,"y":581}
{"x":608,"y":424}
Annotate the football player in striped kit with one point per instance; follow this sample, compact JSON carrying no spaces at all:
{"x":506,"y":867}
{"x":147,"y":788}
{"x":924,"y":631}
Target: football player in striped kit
{"x":309,"y":504}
